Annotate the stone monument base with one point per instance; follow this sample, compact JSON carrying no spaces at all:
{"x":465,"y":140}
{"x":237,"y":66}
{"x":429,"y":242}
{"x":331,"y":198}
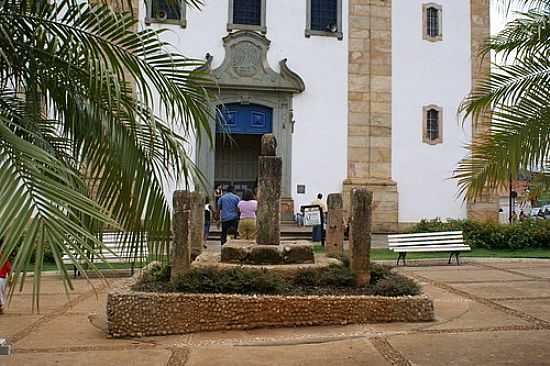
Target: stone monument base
{"x":248,"y":252}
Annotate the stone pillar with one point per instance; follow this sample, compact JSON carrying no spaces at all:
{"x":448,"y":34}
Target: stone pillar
{"x":269,"y":193}
{"x":194,"y":203}
{"x":360,"y":234}
{"x":485,"y":208}
{"x":334,"y":242}
{"x":369,"y":114}
{"x":181,"y":245}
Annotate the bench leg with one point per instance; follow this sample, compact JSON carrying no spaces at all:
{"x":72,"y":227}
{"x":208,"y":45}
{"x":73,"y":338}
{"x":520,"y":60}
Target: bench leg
{"x":456,"y":254}
{"x":402,"y":256}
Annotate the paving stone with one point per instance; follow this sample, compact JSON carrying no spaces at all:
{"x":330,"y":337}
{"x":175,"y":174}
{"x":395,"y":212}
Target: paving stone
{"x":453,"y":274}
{"x":67,"y":331}
{"x":91,"y":358}
{"x":477,"y":348}
{"x":349,"y":352}
{"x":12,"y":324}
{"x":543,"y":272}
{"x":506,"y":289}
{"x":537,"y":308}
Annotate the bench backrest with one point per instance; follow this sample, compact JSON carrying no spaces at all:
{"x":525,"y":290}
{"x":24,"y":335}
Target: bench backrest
{"x":114,"y":251}
{"x":420,"y":239}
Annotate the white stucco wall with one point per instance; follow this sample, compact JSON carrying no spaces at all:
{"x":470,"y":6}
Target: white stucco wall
{"x":427,"y":73}
{"x":319,"y":140}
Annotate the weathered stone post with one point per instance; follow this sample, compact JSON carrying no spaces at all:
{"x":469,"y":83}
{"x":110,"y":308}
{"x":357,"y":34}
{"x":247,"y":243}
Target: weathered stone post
{"x":269,"y":192}
{"x":360,"y":234}
{"x":181,"y":245}
{"x":194,"y":203}
{"x":335,"y":224}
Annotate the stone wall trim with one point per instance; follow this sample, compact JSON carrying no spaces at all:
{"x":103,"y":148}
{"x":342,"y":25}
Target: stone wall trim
{"x":137,"y":314}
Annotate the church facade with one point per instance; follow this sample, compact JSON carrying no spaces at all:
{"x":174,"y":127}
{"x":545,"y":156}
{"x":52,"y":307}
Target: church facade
{"x":357,"y":92}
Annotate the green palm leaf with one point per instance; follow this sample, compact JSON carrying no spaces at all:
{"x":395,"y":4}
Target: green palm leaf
{"x":95,"y":119}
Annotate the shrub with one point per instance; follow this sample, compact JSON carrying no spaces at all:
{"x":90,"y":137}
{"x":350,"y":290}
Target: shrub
{"x":526,"y":234}
{"x":335,"y":279}
{"x":236,"y":280}
{"x":378,"y":272}
{"x":335,"y":275}
{"x":395,"y":285}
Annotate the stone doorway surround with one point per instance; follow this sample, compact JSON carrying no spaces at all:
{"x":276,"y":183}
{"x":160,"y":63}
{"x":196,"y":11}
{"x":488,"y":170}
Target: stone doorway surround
{"x":246,"y":77}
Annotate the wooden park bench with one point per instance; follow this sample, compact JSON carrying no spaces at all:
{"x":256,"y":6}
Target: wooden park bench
{"x":112,"y":252}
{"x":449,"y":241}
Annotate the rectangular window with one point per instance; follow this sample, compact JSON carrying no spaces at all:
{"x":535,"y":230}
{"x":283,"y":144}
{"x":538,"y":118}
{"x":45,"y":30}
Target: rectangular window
{"x":166,"y":11}
{"x":247,"y":15}
{"x":247,"y":12}
{"x":432,"y":125}
{"x":431,"y":22}
{"x":324,"y":18}
{"x":432,"y":128}
{"x":324,"y":15}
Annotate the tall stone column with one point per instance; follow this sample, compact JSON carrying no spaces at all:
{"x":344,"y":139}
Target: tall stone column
{"x":360,"y":234}
{"x":194,"y":203}
{"x":369,"y":114}
{"x":484,"y":208}
{"x":269,"y":193}
{"x":181,"y":245}
{"x":334,"y":242}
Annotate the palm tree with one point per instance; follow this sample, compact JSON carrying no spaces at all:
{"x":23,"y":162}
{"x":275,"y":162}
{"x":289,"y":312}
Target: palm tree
{"x":516,"y":96}
{"x":95,"y":118}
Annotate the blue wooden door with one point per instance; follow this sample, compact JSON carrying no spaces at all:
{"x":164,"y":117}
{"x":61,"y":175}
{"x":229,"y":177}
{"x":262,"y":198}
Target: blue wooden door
{"x":250,"y":119}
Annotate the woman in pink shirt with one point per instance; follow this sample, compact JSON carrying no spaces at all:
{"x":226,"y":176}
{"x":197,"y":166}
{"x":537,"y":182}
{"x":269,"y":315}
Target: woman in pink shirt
{"x":247,"y":223}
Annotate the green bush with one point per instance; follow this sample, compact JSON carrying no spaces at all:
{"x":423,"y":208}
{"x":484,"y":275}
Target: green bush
{"x":236,"y":280}
{"x":395,"y":285}
{"x":334,"y":276}
{"x":526,"y":234}
{"x":335,"y":279}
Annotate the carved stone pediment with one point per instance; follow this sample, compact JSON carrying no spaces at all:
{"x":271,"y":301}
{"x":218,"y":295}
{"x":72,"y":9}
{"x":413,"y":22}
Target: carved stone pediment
{"x":245,"y":66}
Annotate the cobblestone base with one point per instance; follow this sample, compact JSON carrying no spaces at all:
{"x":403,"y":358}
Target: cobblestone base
{"x":139,"y":314}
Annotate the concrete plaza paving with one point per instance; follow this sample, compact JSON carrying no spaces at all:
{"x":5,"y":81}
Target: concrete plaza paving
{"x":488,"y":313}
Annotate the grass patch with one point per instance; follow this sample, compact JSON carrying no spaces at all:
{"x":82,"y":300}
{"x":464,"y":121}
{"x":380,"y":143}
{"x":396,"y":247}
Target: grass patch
{"x":386,"y":254}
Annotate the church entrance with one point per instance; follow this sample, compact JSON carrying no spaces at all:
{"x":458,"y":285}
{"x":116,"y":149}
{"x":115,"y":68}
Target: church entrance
{"x":238,"y":136}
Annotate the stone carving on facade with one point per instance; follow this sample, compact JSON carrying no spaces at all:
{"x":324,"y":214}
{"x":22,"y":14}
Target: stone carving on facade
{"x":245,"y":66}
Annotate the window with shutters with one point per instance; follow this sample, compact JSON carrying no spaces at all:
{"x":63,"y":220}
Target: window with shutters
{"x":432,"y":22}
{"x":247,"y":14}
{"x":324,"y":18}
{"x":166,"y":11}
{"x":432,"y":125}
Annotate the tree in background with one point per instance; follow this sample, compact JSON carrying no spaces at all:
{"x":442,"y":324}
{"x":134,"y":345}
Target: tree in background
{"x":94,"y":120}
{"x":516,"y":98}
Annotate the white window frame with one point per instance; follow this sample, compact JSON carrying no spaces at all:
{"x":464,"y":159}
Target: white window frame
{"x":425,"y":35}
{"x":149,"y":19}
{"x":425,"y":138}
{"x":258,"y":28}
{"x":311,"y":32}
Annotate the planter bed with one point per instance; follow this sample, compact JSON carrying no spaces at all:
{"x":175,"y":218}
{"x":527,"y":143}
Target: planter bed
{"x":136,"y":314}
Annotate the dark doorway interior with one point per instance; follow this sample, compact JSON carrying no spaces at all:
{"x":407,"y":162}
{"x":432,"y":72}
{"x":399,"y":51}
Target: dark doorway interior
{"x":237,"y":161}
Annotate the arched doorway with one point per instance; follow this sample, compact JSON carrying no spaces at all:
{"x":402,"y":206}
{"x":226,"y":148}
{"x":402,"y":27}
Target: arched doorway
{"x":238,"y":133}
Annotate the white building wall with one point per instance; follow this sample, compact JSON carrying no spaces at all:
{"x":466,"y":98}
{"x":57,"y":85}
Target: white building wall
{"x":320,"y":137}
{"x":427,"y":73}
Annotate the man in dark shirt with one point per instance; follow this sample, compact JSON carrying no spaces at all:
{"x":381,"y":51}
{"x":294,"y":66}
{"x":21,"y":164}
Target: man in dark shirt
{"x":229,"y":213}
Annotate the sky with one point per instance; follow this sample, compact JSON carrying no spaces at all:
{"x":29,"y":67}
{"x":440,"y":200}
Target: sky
{"x":498,"y":18}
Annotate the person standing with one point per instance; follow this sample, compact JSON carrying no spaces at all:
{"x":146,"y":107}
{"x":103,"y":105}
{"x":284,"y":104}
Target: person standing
{"x":207,"y":220}
{"x":4,"y":272}
{"x":247,"y":223}
{"x":317,"y":232}
{"x":229,"y":212}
